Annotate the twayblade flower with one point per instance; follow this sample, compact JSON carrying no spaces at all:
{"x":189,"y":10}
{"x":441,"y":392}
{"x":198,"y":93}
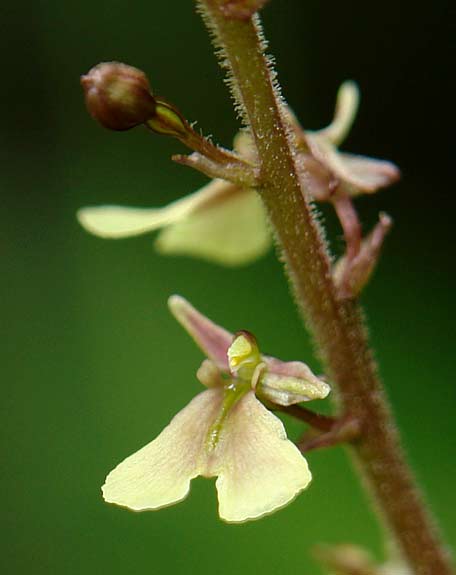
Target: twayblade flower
{"x":227,"y":223}
{"x":224,"y":432}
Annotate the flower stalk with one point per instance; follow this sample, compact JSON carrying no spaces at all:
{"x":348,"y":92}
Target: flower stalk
{"x":336,"y":324}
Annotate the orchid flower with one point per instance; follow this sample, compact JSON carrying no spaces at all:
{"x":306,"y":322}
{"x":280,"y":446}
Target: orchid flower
{"x":227,"y":223}
{"x":224,"y":432}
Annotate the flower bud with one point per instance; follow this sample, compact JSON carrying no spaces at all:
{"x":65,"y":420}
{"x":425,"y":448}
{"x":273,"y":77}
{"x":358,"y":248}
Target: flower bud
{"x":118,"y":96}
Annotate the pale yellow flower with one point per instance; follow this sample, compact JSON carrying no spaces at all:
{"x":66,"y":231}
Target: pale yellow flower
{"x":224,"y":432}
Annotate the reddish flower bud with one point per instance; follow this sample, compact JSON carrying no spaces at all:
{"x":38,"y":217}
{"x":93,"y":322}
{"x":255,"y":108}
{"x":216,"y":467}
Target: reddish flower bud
{"x":118,"y":96}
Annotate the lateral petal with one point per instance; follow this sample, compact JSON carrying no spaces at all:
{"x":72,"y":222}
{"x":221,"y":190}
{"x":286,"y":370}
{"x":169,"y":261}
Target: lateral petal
{"x":259,"y":470}
{"x":159,"y":474}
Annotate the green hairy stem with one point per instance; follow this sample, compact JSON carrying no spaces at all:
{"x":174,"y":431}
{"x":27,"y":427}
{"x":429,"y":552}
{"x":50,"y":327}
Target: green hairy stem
{"x":337,"y":326}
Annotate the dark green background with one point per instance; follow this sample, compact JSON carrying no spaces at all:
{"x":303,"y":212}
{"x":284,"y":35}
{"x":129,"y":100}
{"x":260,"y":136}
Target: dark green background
{"x":92,"y":364}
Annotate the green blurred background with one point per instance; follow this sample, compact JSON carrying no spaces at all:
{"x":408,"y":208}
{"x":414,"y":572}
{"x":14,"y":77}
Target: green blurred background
{"x":92,"y":364}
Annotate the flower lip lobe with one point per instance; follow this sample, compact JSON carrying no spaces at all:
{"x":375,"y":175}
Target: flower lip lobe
{"x":159,"y":474}
{"x":260,"y":470}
